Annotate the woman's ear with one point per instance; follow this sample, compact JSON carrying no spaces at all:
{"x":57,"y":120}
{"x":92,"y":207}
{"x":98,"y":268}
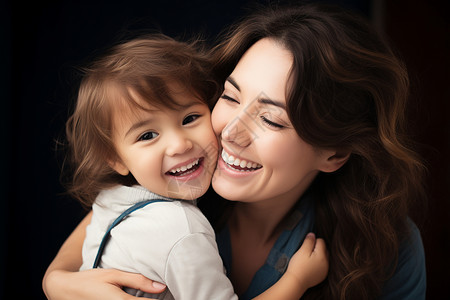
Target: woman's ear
{"x":334,"y":159}
{"x":119,"y":167}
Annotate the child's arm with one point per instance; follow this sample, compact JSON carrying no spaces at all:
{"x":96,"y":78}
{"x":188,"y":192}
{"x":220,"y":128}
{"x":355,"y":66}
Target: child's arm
{"x":307,"y":268}
{"x":62,"y":280}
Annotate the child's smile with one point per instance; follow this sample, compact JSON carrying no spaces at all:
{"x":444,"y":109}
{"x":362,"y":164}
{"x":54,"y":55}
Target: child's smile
{"x":187,"y":170}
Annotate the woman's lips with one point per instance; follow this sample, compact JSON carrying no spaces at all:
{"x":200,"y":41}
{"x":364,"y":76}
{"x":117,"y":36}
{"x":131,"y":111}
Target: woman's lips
{"x":239,"y":164}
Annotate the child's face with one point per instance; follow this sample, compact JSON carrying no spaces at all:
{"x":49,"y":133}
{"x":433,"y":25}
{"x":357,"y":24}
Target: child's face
{"x":172,"y":153}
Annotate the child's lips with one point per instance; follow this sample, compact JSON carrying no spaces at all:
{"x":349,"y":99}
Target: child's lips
{"x":185,"y":168}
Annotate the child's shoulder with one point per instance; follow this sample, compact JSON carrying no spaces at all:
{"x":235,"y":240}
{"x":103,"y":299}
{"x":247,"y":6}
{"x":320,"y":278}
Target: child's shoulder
{"x":176,"y":215}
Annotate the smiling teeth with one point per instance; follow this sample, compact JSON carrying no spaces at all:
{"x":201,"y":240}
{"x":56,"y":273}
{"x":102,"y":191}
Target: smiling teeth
{"x":185,"y":168}
{"x":242,"y":163}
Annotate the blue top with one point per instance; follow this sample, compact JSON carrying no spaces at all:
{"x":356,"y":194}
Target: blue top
{"x":408,"y":281}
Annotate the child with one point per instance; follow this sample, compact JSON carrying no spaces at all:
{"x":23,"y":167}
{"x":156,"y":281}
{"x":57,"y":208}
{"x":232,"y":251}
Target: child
{"x":141,"y":131}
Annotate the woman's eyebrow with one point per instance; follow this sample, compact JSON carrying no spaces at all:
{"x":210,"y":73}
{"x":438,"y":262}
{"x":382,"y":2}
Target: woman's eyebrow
{"x":272,"y":102}
{"x":260,"y":100}
{"x":233,"y":82}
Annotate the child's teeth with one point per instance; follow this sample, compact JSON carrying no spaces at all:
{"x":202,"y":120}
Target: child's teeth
{"x":185,"y":168}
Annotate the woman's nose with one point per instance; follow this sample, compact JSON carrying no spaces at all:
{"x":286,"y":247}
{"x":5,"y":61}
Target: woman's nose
{"x":178,"y":144}
{"x":239,"y":130}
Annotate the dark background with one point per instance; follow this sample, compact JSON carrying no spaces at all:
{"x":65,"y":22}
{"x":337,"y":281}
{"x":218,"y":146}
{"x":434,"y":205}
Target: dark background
{"x":42,"y":42}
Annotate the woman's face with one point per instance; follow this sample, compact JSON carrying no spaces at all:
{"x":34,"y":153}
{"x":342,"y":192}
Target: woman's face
{"x":262,"y":157}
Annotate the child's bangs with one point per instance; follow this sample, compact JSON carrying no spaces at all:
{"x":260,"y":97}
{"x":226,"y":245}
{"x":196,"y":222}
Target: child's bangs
{"x":161,"y":93}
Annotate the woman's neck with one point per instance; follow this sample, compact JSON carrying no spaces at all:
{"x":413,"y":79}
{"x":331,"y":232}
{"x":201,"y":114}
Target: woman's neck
{"x":260,"y":220}
{"x":254,"y":228}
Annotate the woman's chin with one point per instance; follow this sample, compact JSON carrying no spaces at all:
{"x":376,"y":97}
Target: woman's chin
{"x":227,"y":189}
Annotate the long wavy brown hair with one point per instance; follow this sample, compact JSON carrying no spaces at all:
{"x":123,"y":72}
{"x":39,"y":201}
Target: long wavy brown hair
{"x":349,"y":92}
{"x":145,"y":65}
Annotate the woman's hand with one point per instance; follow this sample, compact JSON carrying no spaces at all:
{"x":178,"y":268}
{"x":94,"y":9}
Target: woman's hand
{"x":96,"y":284}
{"x":309,"y":265}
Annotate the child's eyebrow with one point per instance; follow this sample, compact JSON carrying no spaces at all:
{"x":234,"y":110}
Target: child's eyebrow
{"x":193,"y":102}
{"x":137,"y":125}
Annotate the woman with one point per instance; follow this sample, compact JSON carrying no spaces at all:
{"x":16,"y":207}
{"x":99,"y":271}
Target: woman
{"x":311,"y":122}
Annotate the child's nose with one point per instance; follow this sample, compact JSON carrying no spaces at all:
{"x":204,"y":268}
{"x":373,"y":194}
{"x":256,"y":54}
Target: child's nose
{"x":178,"y":144}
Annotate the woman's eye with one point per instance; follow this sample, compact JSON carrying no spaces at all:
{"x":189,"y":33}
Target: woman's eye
{"x":228,"y":98}
{"x":148,"y":136}
{"x":190,"y":119}
{"x":270,"y":123}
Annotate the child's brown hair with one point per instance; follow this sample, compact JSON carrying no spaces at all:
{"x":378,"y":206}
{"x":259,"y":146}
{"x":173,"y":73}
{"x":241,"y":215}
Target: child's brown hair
{"x":145,"y":66}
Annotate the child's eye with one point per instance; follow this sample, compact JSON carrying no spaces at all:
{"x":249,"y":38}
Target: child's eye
{"x":148,"y":136}
{"x":270,"y":123}
{"x":190,"y":119}
{"x":228,"y":98}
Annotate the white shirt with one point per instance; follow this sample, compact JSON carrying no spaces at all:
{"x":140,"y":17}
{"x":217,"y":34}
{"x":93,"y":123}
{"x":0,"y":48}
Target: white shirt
{"x":170,"y":242}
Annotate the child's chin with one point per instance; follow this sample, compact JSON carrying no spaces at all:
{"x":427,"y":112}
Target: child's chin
{"x":188,"y":191}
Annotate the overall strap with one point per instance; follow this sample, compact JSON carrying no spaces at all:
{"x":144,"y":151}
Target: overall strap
{"x":115,"y":223}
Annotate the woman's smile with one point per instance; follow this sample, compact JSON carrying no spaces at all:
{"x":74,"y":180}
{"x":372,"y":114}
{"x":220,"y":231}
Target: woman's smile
{"x":239,"y":164}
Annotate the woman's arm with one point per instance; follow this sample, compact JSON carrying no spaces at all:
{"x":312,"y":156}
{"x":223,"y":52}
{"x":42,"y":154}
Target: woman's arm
{"x":62,"y":280}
